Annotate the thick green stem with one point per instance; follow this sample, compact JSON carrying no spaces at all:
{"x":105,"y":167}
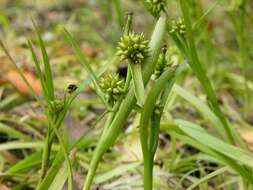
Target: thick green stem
{"x":128,"y":103}
{"x":148,"y":173}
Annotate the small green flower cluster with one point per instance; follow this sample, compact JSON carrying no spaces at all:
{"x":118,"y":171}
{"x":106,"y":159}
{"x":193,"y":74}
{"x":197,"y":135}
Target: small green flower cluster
{"x":113,"y":87}
{"x":56,"y":105}
{"x":155,"y":6}
{"x":161,"y":63}
{"x":178,"y":27}
{"x":133,"y":47}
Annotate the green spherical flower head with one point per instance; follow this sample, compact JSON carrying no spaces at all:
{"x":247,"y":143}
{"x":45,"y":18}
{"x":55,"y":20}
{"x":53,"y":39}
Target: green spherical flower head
{"x":56,"y":105}
{"x":133,"y":47}
{"x":155,"y":6}
{"x":178,"y":27}
{"x":113,"y":87}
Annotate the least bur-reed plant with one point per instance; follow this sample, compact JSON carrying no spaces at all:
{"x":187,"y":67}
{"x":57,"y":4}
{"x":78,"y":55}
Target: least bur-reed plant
{"x":127,"y":103}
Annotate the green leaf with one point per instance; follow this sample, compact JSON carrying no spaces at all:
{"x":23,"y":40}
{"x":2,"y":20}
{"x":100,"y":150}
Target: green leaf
{"x":13,"y":133}
{"x":201,"y":107}
{"x":208,"y":177}
{"x":85,"y":63}
{"x":115,"y":172}
{"x":39,"y":72}
{"x":24,"y":165}
{"x":47,"y":67}
{"x":202,"y":136}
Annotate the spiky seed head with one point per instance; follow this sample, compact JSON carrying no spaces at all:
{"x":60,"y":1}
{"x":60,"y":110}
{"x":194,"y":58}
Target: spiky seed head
{"x":133,"y":47}
{"x":113,"y":87}
{"x":56,"y":105}
{"x":155,"y":6}
{"x":162,"y":63}
{"x":178,"y":27}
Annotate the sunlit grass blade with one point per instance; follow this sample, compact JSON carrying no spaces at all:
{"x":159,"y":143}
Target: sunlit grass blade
{"x":26,"y":164}
{"x":202,"y":136}
{"x":208,"y":177}
{"x":216,"y":155}
{"x":85,"y":63}
{"x":13,"y":133}
{"x":201,"y":107}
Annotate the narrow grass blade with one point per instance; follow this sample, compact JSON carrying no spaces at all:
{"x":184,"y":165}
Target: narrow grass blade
{"x":85,"y":63}
{"x":115,"y":172}
{"x":13,"y":133}
{"x":202,"y":136}
{"x":26,"y":164}
{"x":38,"y":70}
{"x":201,"y":107}
{"x":47,"y":67}
{"x":216,"y":155}
{"x":208,"y":177}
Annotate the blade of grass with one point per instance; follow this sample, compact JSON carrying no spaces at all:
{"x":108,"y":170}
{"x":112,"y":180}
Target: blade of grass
{"x":22,"y":75}
{"x":208,"y":177}
{"x":227,"y":161}
{"x":26,"y":164}
{"x":13,"y":133}
{"x":85,"y":63}
{"x":202,"y":136}
{"x":115,"y":172}
{"x":201,"y":107}
{"x":47,"y":68}
{"x":38,"y":70}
